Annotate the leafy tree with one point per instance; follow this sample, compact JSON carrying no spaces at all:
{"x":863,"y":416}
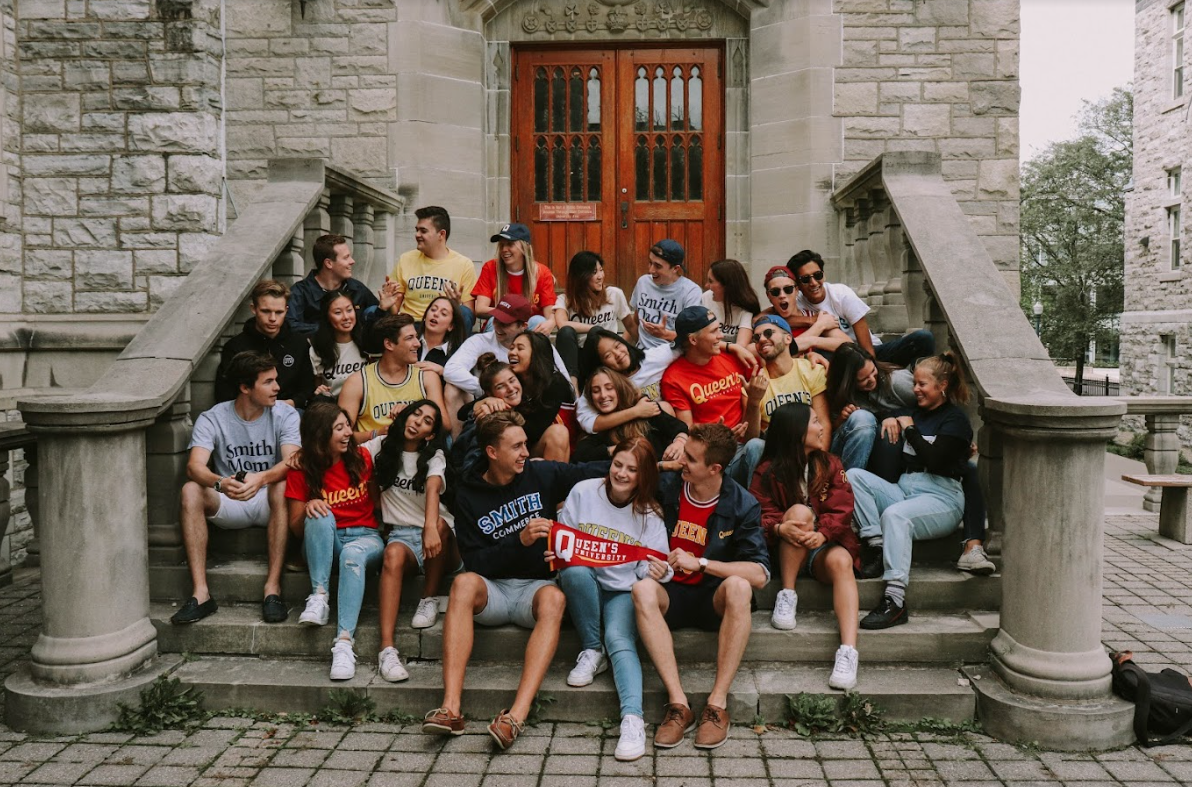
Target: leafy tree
{"x":1072,"y":223}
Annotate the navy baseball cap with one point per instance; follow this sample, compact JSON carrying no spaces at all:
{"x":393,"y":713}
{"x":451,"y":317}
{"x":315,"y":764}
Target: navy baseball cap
{"x":668,"y":250}
{"x":691,"y":320}
{"x":772,"y":319}
{"x":512,"y":232}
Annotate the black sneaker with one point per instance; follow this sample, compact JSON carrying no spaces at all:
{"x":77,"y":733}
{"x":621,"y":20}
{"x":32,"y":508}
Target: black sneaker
{"x":274,"y":610}
{"x":886,"y":614}
{"x":873,"y":562}
{"x":192,"y":611}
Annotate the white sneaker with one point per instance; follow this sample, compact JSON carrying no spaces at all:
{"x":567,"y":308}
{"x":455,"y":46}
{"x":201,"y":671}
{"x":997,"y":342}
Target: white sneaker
{"x":976,"y":561}
{"x":317,"y":611}
{"x":343,"y":660}
{"x":632,"y":744}
{"x":785,"y":604}
{"x":589,"y":664}
{"x":426,"y":614}
{"x":391,"y":668}
{"x":844,"y":673}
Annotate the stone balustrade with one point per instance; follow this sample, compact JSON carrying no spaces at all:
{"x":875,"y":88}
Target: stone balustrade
{"x":115,"y":453}
{"x":913,"y":255}
{"x":1161,"y":447}
{"x":14,"y":436}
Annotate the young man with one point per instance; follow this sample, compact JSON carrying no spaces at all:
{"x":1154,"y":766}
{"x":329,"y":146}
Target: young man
{"x":820,"y":333}
{"x":791,"y":379}
{"x":500,"y":505}
{"x":432,"y":269}
{"x":380,"y":390}
{"x":659,"y":297}
{"x":268,"y":333}
{"x":719,"y":555}
{"x":247,"y":441}
{"x":817,"y":296}
{"x":333,"y":273}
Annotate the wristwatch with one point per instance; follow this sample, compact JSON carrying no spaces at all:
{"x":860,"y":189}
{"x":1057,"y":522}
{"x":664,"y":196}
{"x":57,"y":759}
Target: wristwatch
{"x":218,"y":485}
{"x":703,"y":564}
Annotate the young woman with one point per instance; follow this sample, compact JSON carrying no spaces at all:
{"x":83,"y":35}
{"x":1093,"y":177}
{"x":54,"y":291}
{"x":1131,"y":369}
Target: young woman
{"x":730,"y":296}
{"x":514,"y":270}
{"x":928,"y":500}
{"x":410,"y":473}
{"x":586,"y":304}
{"x":608,"y":392}
{"x":807,"y":512}
{"x":621,"y":507}
{"x":337,"y":346}
{"x":441,"y":334}
{"x":331,"y":510}
{"x":862,"y":392}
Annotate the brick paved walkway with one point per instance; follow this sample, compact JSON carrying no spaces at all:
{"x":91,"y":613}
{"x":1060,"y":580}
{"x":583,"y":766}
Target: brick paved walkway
{"x":1147,"y":600}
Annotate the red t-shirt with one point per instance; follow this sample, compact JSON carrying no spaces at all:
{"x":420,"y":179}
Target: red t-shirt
{"x":544,"y":286}
{"x":711,"y":392}
{"x":352,"y":505}
{"x":691,"y":531}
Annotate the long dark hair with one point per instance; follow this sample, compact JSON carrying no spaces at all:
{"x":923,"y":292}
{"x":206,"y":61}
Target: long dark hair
{"x":789,"y":456}
{"x":738,"y":293}
{"x":847,"y":362}
{"x":580,"y":296}
{"x":628,"y":395}
{"x":458,"y":333}
{"x":315,"y":430}
{"x":541,"y":371}
{"x":323,"y":341}
{"x":589,"y":358}
{"x":389,"y":463}
{"x":645,"y":497}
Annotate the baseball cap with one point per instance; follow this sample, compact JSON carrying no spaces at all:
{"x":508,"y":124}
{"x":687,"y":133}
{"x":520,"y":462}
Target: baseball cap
{"x":511,"y":308}
{"x":512,"y":232}
{"x":772,"y":319}
{"x":691,"y":320}
{"x":668,"y":250}
{"x":774,"y":273}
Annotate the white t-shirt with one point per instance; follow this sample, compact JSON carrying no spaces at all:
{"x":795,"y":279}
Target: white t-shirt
{"x":458,"y":369}
{"x":401,"y":506}
{"x":651,"y":302}
{"x":840,"y":300}
{"x":741,"y":318}
{"x":252,"y":446}
{"x":647,"y":378}
{"x":349,"y":360}
{"x":615,"y":308}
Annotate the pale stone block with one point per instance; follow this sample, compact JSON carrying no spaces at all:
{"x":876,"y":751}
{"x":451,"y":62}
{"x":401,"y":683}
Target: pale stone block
{"x":927,"y":120}
{"x":855,"y":98}
{"x":973,"y":65}
{"x":799,"y":189}
{"x":155,"y":261}
{"x":111,"y":302}
{"x":995,"y":18}
{"x":441,"y":50}
{"x":174,"y":132}
{"x":119,"y":9}
{"x":901,"y":91}
{"x":356,"y":65}
{"x":192,"y":248}
{"x":138,"y":174}
{"x":41,"y":9}
{"x":39,"y":143}
{"x":370,"y":103}
{"x":912,"y":145}
{"x":366,"y":156}
{"x":881,"y":127}
{"x":250,"y":142}
{"x":858,"y":54}
{"x":254,"y":18}
{"x":38,"y":226}
{"x":998,"y":179}
{"x":147,"y":97}
{"x":85,"y":74}
{"x":103,"y":121}
{"x":289,"y":47}
{"x":103,"y":269}
{"x":950,"y":92}
{"x":1007,"y":137}
{"x":1007,"y":59}
{"x":148,"y":240}
{"x":184,"y":212}
{"x":438,"y":145}
{"x":942,"y":12}
{"x":800,"y":141}
{"x":916,"y":39}
{"x":773,"y":236}
{"x":974,"y":127}
{"x":303,"y":146}
{"x":77,"y":142}
{"x":978,"y":148}
{"x":93,"y":233}
{"x":49,"y":263}
{"x":997,"y":98}
{"x":183,"y":70}
{"x":200,"y":174}
{"x":1004,"y":249}
{"x":770,"y":99}
{"x":10,"y":296}
{"x":113,"y":206}
{"x":162,"y":287}
{"x":370,"y":39}
{"x":52,"y":112}
{"x":47,"y":297}
{"x":129,"y":72}
{"x":50,"y":196}
{"x":437,"y":100}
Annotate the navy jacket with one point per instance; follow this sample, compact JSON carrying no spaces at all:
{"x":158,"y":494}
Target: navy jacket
{"x":734,"y":528}
{"x":295,"y":376}
{"x":307,"y":295}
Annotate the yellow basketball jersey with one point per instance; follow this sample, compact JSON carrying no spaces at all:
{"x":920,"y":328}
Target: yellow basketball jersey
{"x":382,"y":397}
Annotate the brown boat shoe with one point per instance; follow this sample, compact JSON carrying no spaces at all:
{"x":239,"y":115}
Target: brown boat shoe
{"x":713,"y":728}
{"x":677,"y":721}
{"x":505,"y":729}
{"x":441,"y":721}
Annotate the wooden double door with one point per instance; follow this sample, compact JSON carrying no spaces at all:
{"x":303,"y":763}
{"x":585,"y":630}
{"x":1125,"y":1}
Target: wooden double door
{"x":614,"y":149}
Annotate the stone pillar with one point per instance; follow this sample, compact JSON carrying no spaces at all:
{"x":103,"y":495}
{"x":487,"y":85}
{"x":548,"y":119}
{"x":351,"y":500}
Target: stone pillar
{"x":383,"y":257}
{"x":363,"y":239}
{"x":990,"y":468}
{"x":1161,"y":452}
{"x":5,"y":517}
{"x":1050,"y":673}
{"x":318,"y":222}
{"x":165,"y":455}
{"x":341,"y":215}
{"x":33,"y":506}
{"x":290,"y":267}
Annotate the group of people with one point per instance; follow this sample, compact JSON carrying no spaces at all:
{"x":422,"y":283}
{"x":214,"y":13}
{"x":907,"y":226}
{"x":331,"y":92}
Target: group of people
{"x":711,"y":438}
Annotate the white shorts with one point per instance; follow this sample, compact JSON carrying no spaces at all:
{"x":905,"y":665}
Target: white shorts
{"x":510,"y":601}
{"x":239,"y":514}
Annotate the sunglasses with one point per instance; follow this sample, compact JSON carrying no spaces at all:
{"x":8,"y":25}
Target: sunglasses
{"x":776,"y":291}
{"x":807,"y":277}
{"x":767,"y":334}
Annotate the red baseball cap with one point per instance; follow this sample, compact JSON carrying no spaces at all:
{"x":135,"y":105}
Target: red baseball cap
{"x":512,"y":308}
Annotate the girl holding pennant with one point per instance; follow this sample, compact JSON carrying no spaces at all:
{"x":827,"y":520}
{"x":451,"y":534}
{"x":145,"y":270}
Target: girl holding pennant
{"x":620,"y":508}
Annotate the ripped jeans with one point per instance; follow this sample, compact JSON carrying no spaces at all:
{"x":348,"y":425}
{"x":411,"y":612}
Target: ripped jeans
{"x":358,"y":550}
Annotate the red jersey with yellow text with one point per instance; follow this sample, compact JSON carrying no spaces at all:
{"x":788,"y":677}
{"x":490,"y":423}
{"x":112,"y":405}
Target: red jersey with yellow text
{"x":691,"y":531}
{"x":711,"y":392}
{"x":352,"y":505}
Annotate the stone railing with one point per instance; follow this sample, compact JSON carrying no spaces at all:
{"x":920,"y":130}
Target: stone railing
{"x":910,"y":251}
{"x":1161,"y":447}
{"x":114,"y":455}
{"x":14,"y":436}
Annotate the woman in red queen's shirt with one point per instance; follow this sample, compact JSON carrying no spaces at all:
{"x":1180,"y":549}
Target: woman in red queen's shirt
{"x":331,"y":509}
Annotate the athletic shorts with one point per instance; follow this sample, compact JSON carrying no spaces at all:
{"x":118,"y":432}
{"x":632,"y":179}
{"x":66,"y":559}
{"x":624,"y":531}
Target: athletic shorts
{"x":411,"y":537}
{"x":691,"y":606}
{"x":241,"y":514}
{"x":510,"y":601}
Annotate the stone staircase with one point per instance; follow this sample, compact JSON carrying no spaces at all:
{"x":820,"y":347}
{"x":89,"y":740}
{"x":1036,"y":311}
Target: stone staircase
{"x":912,"y":671}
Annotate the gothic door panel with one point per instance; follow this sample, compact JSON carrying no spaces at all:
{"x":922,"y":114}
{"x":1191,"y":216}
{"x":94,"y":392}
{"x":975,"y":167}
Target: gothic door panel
{"x":615,"y":149}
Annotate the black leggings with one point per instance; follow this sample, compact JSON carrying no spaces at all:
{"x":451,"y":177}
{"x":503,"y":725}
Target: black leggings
{"x":567,"y":345}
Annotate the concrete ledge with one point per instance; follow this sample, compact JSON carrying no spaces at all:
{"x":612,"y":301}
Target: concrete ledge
{"x":30,"y":706}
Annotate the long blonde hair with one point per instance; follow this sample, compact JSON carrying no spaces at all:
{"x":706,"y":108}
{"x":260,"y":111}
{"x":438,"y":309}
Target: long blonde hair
{"x":529,"y":276}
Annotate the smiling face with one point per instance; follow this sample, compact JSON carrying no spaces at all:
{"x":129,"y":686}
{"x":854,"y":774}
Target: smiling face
{"x":510,"y":453}
{"x":507,"y":332}
{"x":420,"y":425}
{"x":269,"y":312}
{"x":596,"y":280}
{"x":520,"y":354}
{"x":815,"y":433}
{"x":341,"y":436}
{"x":439,"y":317}
{"x":771,"y":341}
{"x":427,"y":238}
{"x":509,"y":252}
{"x":342,"y":316}
{"x":406,"y":348}
{"x":507,"y":387}
{"x":930,"y":393}
{"x":694,"y":471}
{"x":604,"y":394}
{"x":707,"y":340}
{"x":715,"y":287}
{"x":343,"y":263}
{"x":613,"y":354}
{"x":662,"y":272}
{"x":811,"y":287}
{"x":622,"y":476}
{"x":867,"y":377}
{"x":781,"y":292}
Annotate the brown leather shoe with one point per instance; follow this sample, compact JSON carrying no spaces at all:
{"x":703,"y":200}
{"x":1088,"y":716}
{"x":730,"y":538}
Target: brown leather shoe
{"x":677,"y":721}
{"x":443,"y":722}
{"x":505,"y":729}
{"x":713,"y":728}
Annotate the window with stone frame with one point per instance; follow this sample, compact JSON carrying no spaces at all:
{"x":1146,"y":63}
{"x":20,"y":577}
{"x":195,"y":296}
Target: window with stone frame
{"x":1166,"y":381}
{"x":1173,"y":235}
{"x":1177,"y":51}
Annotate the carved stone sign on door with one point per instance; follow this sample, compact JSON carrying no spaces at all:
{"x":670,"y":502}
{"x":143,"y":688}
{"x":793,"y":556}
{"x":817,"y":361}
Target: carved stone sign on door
{"x":617,"y":16}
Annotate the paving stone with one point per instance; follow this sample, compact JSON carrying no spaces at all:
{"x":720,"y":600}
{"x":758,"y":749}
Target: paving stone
{"x":406,"y":761}
{"x":563,"y":746}
{"x":396,"y":779}
{"x":136,"y":755}
{"x":366,"y":741}
{"x":969,"y":770}
{"x":58,"y":773}
{"x":465,"y":762}
{"x":453,"y":780}
{"x":1137,"y":771}
{"x":114,"y":774}
{"x":841,"y":750}
{"x":282,"y":777}
{"x":338,"y":778}
{"x":93,"y":753}
{"x":850,"y":769}
{"x":570,"y":763}
{"x":738,"y":768}
{"x":795,"y":769}
{"x":299,"y":758}
{"x":505,"y":780}
{"x":353,"y":760}
{"x":513,"y":763}
{"x":560,"y":780}
{"x":677,"y":766}
{"x":32,"y":752}
{"x":1079,"y":771}
{"x":168,"y":776}
{"x":611,"y":767}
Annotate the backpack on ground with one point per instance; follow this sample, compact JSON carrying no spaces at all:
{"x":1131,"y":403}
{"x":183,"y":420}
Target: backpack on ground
{"x":1162,"y":700}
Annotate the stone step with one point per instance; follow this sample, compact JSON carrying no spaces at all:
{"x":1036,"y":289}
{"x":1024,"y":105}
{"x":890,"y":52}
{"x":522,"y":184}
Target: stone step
{"x":939,"y":587}
{"x":302,"y":686}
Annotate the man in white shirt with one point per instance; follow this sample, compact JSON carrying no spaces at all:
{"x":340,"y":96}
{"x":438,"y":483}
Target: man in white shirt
{"x":659,"y":296}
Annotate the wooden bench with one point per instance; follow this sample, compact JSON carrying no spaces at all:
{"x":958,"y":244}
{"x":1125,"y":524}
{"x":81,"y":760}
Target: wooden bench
{"x":1173,"y":507}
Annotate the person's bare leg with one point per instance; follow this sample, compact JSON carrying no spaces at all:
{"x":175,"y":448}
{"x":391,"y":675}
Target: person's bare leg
{"x":397,"y":558}
{"x":651,"y":602}
{"x":549,"y":603}
{"x":555,"y":444}
{"x":197,"y":504}
{"x":834,"y":566}
{"x":277,"y":532}
{"x":731,"y":602}
{"x":790,"y":559}
{"x":436,"y":567}
{"x":454,"y":399}
{"x":469,"y":595}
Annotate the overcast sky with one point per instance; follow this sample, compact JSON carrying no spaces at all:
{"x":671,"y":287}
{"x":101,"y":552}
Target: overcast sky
{"x":1072,"y":50}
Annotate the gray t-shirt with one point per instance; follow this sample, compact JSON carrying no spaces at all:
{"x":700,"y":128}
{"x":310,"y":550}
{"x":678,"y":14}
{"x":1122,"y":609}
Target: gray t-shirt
{"x":236,"y":444}
{"x":651,"y":302}
{"x":900,"y":394}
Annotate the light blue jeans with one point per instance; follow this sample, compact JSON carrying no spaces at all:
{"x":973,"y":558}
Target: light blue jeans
{"x":920,"y":506}
{"x":358,"y":550}
{"x":745,"y":461}
{"x":853,"y":441}
{"x":588,"y":603}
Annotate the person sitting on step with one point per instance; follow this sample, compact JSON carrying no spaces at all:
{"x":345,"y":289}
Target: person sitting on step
{"x":337,"y":348}
{"x":586,"y":304}
{"x":610,"y":392}
{"x":514,"y":270}
{"x":730,"y":297}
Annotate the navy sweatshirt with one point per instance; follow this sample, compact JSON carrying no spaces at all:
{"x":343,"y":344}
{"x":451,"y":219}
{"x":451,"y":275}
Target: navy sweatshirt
{"x":295,"y":376}
{"x":306,"y":297}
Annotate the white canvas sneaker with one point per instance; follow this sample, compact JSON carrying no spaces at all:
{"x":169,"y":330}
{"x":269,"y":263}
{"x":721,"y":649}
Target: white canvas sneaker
{"x":589,"y":664}
{"x":785,"y":604}
{"x":632,"y":744}
{"x":426,"y":614}
{"x":390,"y":666}
{"x":317,"y":611}
{"x":844,"y":673}
{"x":975,"y":561}
{"x":343,"y":660}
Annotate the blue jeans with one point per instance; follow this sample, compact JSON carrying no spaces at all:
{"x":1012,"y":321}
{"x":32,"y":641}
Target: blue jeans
{"x":534,"y":322}
{"x":853,"y":441}
{"x":469,"y":319}
{"x":745,"y":461}
{"x":919,"y":507}
{"x":905,"y":350}
{"x":588,"y":603}
{"x":358,"y":550}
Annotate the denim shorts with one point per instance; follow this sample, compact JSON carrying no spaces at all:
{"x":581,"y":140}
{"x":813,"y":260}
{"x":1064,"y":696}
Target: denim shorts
{"x":510,"y":601}
{"x":807,"y":569}
{"x":411,"y":537}
{"x":241,"y":514}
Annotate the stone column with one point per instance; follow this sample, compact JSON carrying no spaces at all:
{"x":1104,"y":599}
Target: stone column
{"x":318,"y":222}
{"x":1050,"y":673}
{"x":165,"y":455}
{"x":1161,"y":452}
{"x":290,"y":267}
{"x":33,"y":548}
{"x":341,"y":215}
{"x":363,"y":239}
{"x":5,"y":518}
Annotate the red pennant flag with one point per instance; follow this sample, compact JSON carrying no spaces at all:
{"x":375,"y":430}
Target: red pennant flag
{"x":575,"y":548}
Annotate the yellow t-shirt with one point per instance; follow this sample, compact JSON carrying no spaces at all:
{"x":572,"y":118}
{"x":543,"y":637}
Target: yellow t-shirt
{"x":380,"y":397}
{"x":422,"y":279}
{"x":800,"y":384}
